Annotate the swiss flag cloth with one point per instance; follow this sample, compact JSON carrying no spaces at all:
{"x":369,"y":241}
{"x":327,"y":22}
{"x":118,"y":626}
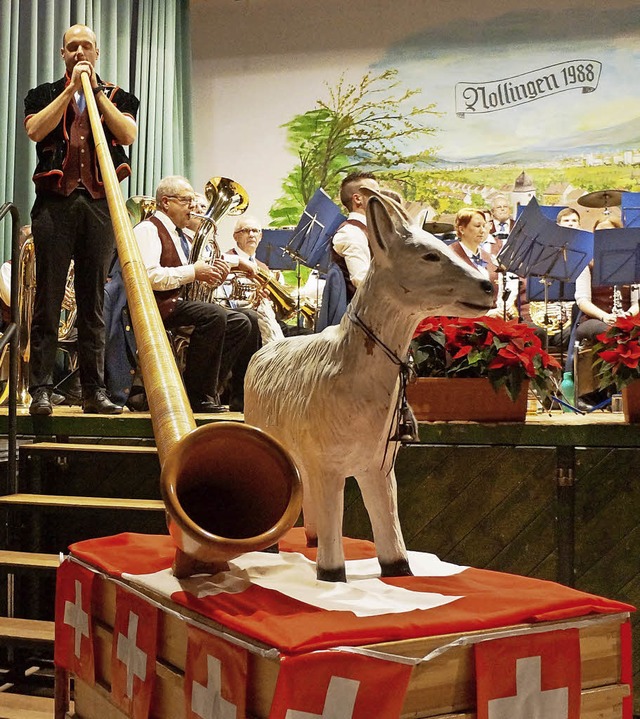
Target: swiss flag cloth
{"x":215,"y":677}
{"x":133,"y":654}
{"x":259,"y":597}
{"x":73,"y":648}
{"x":339,"y":685}
{"x":531,"y":676}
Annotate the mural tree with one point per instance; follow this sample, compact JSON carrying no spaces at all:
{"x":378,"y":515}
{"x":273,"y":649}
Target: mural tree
{"x":362,"y":126}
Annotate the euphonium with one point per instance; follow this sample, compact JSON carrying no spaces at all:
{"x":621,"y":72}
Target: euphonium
{"x":226,"y":197}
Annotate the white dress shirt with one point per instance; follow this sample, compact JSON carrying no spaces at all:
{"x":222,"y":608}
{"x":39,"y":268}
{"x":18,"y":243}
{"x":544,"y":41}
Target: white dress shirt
{"x":162,"y":278}
{"x":351,"y":243}
{"x":166,"y":278}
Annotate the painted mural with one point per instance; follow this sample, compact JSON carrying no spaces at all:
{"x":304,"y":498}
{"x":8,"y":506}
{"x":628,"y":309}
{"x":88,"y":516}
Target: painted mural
{"x":452,"y":115}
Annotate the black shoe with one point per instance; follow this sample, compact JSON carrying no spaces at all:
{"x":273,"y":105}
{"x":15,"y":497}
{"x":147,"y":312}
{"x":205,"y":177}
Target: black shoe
{"x":99,"y":403}
{"x":72,"y":400}
{"x":41,"y":402}
{"x":208,"y":407}
{"x":57,"y":399}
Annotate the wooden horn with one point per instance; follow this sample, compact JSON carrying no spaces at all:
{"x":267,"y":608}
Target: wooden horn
{"x":228,"y":488}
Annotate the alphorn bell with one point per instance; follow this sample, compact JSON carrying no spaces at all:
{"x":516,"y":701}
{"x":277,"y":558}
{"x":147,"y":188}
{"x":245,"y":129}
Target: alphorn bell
{"x":228,"y":488}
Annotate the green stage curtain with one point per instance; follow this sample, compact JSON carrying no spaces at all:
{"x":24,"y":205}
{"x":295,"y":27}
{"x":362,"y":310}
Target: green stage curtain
{"x":144,"y":47}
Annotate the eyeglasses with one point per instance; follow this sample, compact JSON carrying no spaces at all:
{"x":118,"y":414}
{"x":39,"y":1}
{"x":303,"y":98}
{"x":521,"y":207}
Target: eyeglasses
{"x":182,"y":199}
{"x":250,"y":230}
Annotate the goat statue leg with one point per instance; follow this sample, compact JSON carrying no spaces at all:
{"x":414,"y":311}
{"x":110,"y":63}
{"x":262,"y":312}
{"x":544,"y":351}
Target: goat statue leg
{"x":379,"y":494}
{"x":326,"y":495}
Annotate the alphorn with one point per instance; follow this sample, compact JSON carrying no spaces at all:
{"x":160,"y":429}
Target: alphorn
{"x":228,"y":488}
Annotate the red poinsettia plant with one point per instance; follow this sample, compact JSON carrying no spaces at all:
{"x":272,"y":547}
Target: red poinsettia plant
{"x":505,"y":352}
{"x":617,"y":353}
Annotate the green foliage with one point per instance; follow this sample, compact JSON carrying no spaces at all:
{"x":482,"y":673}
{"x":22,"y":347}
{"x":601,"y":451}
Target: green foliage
{"x":365,"y":125}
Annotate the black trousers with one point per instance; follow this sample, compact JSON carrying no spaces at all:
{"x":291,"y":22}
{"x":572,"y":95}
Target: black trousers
{"x":239,"y":368}
{"x":219,"y":343}
{"x":77,"y":227}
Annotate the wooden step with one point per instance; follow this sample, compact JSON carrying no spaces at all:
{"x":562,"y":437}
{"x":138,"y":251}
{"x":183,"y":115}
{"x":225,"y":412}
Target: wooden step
{"x":28,"y":560}
{"x":79,"y":447}
{"x":55,"y":501}
{"x":24,"y":706}
{"x":25,"y":631}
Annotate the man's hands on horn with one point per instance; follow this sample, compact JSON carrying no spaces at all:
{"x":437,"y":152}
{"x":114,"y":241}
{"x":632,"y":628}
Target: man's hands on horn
{"x":214,"y":274}
{"x":78,"y":69}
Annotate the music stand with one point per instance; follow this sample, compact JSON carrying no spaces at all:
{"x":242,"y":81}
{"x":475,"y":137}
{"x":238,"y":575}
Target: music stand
{"x":538,"y":246}
{"x":271,"y":249}
{"x":630,"y":207}
{"x":540,"y":289}
{"x":309,"y":243}
{"x":557,"y":290}
{"x":616,"y":256}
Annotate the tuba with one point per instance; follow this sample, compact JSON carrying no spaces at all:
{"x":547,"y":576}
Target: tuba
{"x":226,"y":197}
{"x":140,"y":207}
{"x":26,"y":301}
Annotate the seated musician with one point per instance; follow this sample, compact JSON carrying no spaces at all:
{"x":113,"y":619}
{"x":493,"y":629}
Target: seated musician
{"x":247,"y":234}
{"x":222,"y":340}
{"x":471,"y":230}
{"x":350,"y":255}
{"x":601,"y":306}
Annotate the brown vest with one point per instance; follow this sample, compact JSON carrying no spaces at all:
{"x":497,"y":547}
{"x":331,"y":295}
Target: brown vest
{"x":80,"y":167}
{"x":340,"y":261}
{"x":169,"y":257}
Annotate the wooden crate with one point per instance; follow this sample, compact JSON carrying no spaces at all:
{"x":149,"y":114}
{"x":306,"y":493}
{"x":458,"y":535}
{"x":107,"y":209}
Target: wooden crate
{"x":442,"y":687}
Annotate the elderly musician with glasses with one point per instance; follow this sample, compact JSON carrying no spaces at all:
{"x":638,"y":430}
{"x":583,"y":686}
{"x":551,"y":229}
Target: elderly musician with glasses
{"x":222,"y":340}
{"x":247,"y":234}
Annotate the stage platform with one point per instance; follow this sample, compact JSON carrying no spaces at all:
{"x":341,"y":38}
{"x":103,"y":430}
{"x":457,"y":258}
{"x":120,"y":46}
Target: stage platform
{"x":551,"y":429}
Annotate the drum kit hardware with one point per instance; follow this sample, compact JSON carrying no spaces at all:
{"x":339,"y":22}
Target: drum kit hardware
{"x":602,"y":199}
{"x":437,"y":228}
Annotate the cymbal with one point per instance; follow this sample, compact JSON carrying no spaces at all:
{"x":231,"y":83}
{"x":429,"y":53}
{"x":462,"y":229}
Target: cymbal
{"x":437,"y":228}
{"x":601,"y":198}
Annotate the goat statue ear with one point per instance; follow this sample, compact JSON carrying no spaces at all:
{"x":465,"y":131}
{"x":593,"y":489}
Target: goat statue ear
{"x":384,"y":223}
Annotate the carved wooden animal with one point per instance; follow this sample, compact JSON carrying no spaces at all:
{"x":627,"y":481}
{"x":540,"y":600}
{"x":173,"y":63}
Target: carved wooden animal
{"x":331,"y":398}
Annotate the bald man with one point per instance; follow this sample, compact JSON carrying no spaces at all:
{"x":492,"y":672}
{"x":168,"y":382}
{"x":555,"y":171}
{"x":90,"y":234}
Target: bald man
{"x":70,"y":217}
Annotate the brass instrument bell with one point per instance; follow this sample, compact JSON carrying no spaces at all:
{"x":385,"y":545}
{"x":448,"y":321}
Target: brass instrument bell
{"x":140,"y":207}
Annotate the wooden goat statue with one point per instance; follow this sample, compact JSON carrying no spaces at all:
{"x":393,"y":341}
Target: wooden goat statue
{"x":331,"y":398}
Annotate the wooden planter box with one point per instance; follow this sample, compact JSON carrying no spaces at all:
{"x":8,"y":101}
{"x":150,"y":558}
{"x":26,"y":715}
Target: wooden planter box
{"x":446,"y":399}
{"x":631,"y":402}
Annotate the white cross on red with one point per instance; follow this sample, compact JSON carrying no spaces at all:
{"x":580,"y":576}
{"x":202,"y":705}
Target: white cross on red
{"x":134,"y":659}
{"x":531,"y":701}
{"x":338,"y":704}
{"x":207,"y":702}
{"x":77,"y":618}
